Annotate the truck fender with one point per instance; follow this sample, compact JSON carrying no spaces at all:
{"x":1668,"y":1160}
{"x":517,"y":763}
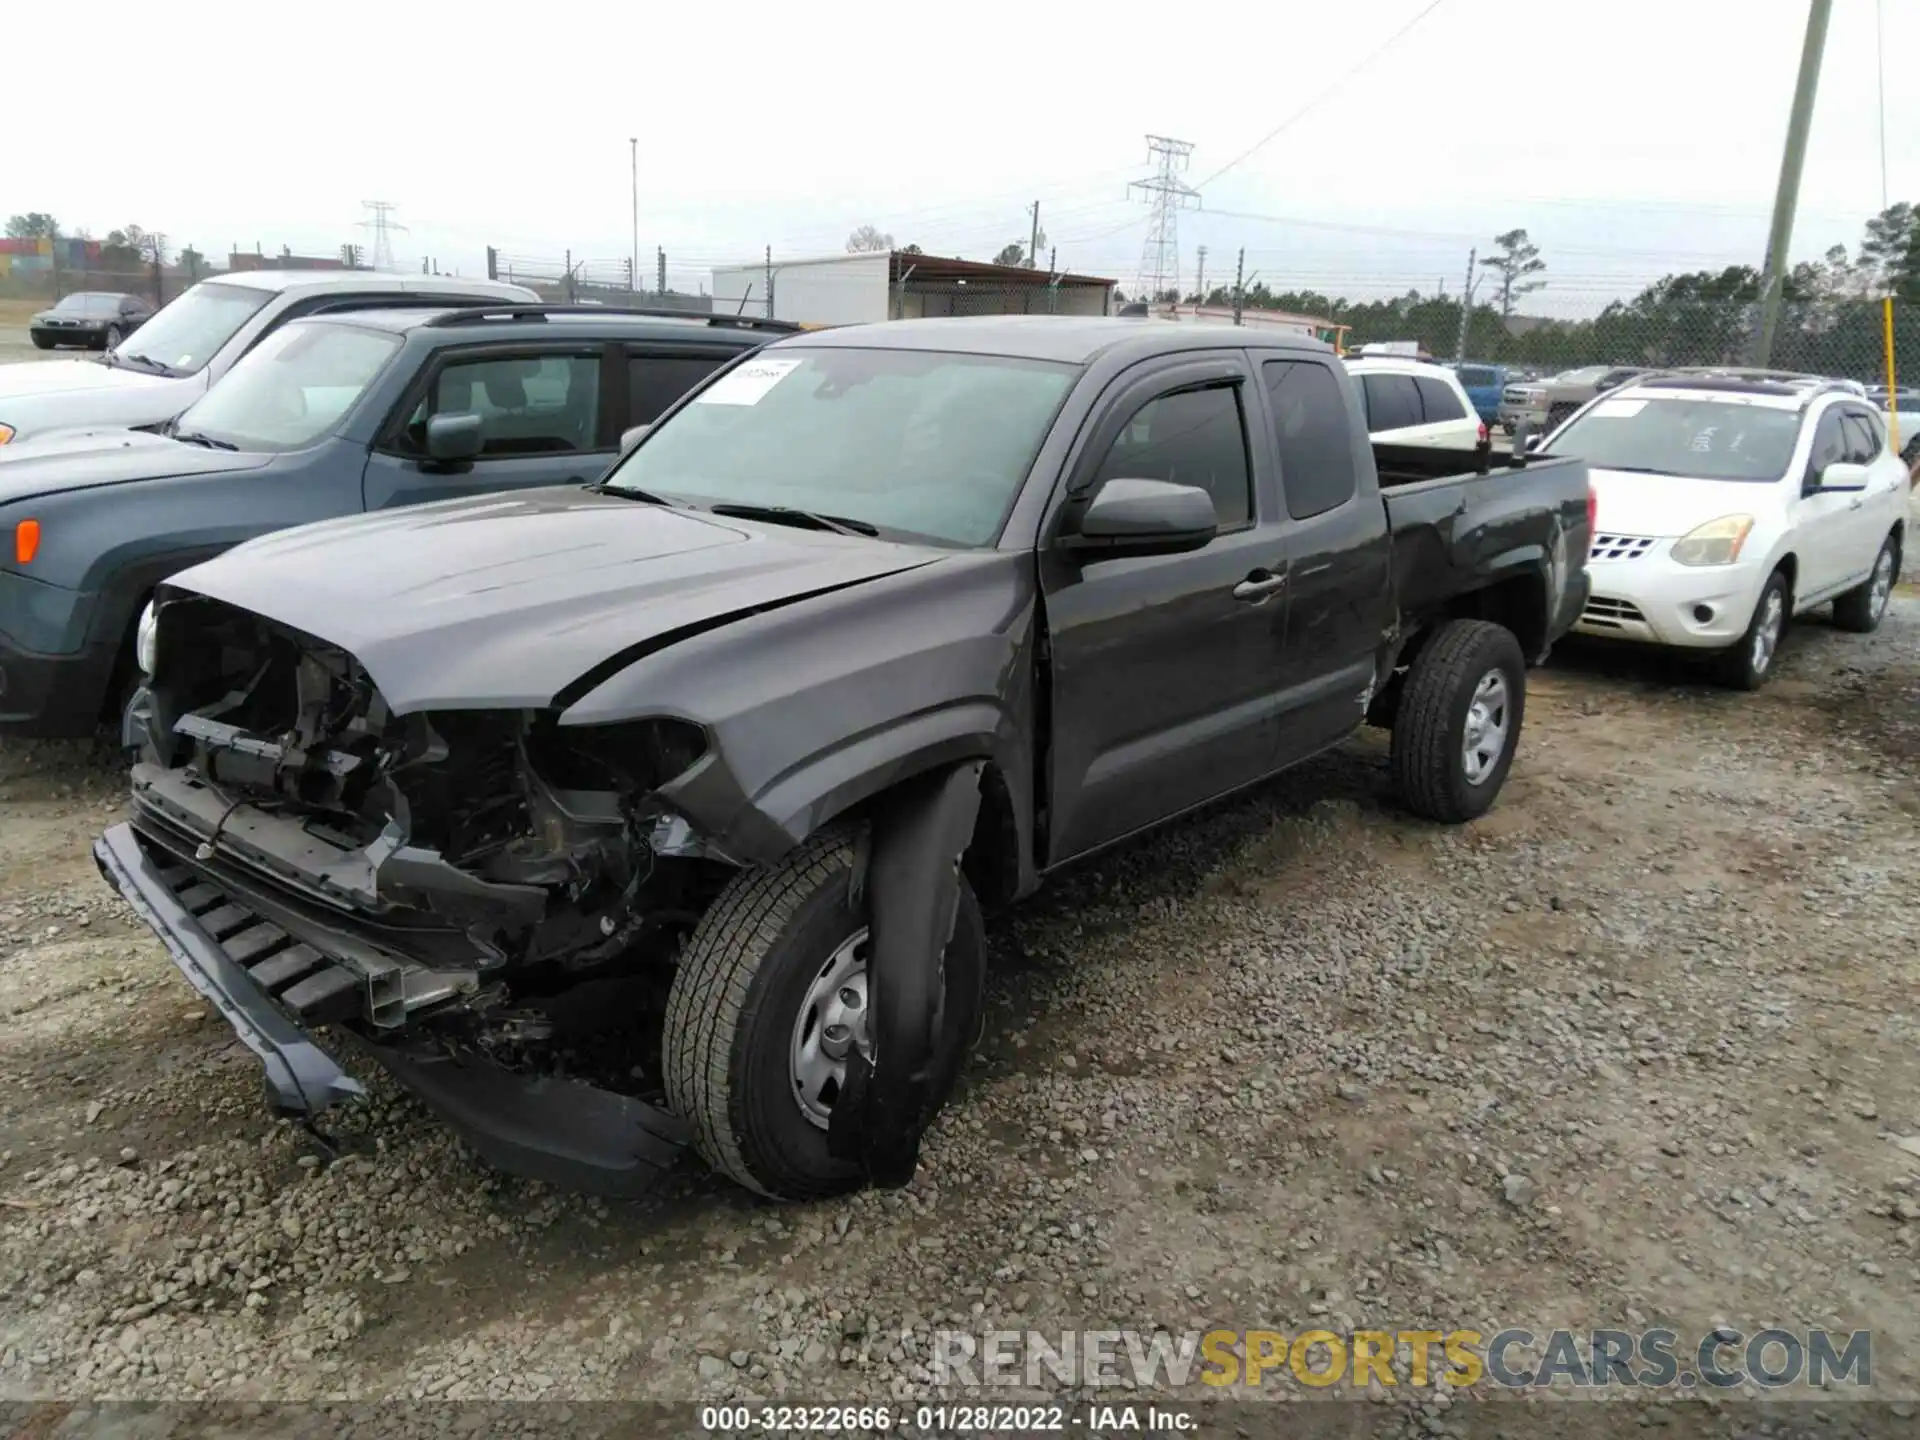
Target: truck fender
{"x":911,"y":875}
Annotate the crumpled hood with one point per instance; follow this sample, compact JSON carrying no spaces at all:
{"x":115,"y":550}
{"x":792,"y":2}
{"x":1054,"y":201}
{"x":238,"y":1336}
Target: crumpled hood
{"x":81,"y":460}
{"x":1668,"y":506}
{"x":37,"y":396}
{"x":501,"y":602}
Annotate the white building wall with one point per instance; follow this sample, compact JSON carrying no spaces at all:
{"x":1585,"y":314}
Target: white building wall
{"x":842,"y":290}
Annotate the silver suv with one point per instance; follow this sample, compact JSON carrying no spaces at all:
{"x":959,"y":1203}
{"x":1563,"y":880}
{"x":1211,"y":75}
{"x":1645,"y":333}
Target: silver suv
{"x":169,"y":362}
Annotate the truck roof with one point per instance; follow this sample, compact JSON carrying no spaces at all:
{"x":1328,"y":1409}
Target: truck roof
{"x":456,"y":318}
{"x":1072,"y":339}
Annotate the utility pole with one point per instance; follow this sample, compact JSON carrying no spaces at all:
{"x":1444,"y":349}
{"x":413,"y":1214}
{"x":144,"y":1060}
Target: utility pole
{"x":1053,"y":278}
{"x":1033,"y":245}
{"x":769,"y":282}
{"x":1200,"y":280}
{"x":1466,"y":307}
{"x":633,"y":263}
{"x":570,"y":276}
{"x":1787,"y":199}
{"x":660,"y":266}
{"x":1239,"y":293}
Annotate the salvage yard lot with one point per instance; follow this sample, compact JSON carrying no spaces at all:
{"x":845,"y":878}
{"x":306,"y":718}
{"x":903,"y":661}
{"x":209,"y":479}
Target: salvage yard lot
{"x":15,"y":343}
{"x":1627,"y":1052}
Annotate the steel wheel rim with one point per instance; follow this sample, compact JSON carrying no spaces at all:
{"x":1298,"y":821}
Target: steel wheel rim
{"x":1882,"y":583}
{"x":831,"y":1024}
{"x":1489,"y":721}
{"x":1766,"y":639}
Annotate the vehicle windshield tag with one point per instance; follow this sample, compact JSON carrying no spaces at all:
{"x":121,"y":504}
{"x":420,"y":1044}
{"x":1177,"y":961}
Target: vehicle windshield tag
{"x":1618,"y":409}
{"x":746,"y":384}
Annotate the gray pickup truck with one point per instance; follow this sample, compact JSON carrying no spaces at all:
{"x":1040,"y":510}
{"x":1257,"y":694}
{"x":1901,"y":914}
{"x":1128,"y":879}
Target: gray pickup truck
{"x":877,"y":627}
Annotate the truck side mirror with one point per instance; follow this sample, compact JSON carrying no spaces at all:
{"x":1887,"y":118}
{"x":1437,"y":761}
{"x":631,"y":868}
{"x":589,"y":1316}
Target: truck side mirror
{"x":1143,"y":517}
{"x":453,"y":438}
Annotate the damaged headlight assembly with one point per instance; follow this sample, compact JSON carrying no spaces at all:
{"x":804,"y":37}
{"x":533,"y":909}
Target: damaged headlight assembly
{"x":146,"y":640}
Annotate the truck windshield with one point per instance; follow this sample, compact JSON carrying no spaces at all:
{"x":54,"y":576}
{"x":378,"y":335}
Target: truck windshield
{"x":923,"y":443}
{"x":291,"y":388}
{"x":186,"y":334}
{"x":1699,"y":439}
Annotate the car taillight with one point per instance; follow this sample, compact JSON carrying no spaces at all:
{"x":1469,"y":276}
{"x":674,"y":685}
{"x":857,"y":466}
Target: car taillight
{"x":1593,"y":512}
{"x":1484,"y":432}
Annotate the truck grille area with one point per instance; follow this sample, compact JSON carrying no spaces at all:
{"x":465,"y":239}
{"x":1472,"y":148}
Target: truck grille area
{"x":301,"y":980}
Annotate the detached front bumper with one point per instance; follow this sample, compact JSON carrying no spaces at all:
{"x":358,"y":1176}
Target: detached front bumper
{"x":560,"y":1131}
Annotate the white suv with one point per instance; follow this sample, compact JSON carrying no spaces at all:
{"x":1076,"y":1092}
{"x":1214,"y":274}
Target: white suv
{"x":1728,"y":504}
{"x":1407,"y":402}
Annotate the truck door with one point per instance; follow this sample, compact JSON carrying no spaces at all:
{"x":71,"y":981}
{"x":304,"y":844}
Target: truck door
{"x":545,"y":420}
{"x":1339,"y":557}
{"x":1162,"y":666}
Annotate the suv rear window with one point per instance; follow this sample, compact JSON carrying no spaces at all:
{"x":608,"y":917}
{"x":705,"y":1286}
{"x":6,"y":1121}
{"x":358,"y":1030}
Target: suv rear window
{"x":1437,"y":401}
{"x":1392,"y":402}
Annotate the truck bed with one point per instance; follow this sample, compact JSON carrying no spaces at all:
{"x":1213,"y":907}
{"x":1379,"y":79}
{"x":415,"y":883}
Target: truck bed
{"x":1457,"y":517}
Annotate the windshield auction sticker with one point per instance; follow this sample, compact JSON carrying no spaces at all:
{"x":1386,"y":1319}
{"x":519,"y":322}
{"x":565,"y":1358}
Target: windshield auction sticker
{"x":746,"y":384}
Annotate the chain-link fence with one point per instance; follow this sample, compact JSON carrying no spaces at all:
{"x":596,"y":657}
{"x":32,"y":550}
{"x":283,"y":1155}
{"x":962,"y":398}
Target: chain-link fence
{"x":565,"y":279}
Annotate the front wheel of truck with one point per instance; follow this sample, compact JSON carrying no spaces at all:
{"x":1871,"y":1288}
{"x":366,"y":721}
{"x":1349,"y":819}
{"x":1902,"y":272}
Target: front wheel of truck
{"x":766,"y":1007}
{"x":1457,"y":724}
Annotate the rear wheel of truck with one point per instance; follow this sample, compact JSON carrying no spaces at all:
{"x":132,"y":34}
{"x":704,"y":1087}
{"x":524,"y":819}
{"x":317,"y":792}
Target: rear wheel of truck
{"x":766,"y":1007}
{"x":1457,"y":723}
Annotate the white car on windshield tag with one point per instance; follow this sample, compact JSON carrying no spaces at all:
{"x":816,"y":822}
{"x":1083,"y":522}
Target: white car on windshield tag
{"x":1727,"y":505}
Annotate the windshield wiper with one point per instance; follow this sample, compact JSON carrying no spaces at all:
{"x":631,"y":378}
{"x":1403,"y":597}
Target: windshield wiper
{"x":198,"y":437}
{"x":145,"y":362}
{"x":629,"y":492}
{"x":788,"y":515}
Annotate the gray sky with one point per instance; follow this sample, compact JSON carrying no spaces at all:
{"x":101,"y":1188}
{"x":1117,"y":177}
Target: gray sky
{"x":1631,"y":138}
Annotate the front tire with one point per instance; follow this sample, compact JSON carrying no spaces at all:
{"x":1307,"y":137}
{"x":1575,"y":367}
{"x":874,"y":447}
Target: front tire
{"x":742,"y":1010}
{"x":1457,"y":723}
{"x":1748,"y":664}
{"x":1862,"y":608}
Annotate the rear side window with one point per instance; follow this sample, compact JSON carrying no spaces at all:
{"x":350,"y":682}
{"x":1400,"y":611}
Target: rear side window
{"x":1312,"y":435}
{"x":1863,"y":436}
{"x":528,"y":405}
{"x":1392,"y":402}
{"x":655,"y":381}
{"x":1437,"y":402}
{"x":1191,"y":437}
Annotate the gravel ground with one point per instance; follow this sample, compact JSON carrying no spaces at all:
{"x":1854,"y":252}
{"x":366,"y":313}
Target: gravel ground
{"x":1632,"y":1050}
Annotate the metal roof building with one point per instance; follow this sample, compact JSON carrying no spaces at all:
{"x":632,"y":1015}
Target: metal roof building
{"x":853,"y":289}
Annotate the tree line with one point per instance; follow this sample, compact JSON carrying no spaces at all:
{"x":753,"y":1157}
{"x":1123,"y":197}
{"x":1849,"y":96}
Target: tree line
{"x":129,"y":247}
{"x":1831,"y":313}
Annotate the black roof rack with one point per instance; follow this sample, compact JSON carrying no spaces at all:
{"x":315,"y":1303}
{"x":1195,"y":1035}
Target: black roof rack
{"x":511,"y":310}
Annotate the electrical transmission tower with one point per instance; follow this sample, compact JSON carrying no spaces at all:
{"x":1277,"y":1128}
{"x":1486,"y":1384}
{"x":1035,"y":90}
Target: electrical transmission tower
{"x":1168,"y":194}
{"x":384,"y":228}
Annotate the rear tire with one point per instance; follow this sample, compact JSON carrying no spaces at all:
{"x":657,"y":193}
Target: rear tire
{"x":1861,"y":609}
{"x":1750,"y":661}
{"x":741,"y":992}
{"x":1467,"y":681}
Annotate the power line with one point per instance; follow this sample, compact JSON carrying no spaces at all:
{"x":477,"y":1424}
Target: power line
{"x":1332,"y":89}
{"x":1160,"y":256}
{"x":384,"y":228}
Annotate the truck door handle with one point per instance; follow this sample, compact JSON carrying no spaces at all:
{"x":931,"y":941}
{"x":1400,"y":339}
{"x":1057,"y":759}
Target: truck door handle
{"x":1258,"y":585}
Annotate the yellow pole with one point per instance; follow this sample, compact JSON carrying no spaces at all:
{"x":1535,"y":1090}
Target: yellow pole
{"x":1893,"y":394}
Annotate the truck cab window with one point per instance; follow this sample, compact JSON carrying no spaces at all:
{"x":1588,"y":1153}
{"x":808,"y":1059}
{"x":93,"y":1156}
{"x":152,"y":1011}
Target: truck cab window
{"x":1312,"y":435}
{"x":1191,"y":437}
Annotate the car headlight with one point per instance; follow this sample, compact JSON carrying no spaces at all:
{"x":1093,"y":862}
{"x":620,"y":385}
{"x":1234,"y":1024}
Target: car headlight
{"x":1717,"y":542}
{"x":146,"y":640}
{"x":6,"y":433}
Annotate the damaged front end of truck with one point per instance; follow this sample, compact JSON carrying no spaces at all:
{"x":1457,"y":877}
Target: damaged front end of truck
{"x":436,"y":887}
{"x":422,"y":881}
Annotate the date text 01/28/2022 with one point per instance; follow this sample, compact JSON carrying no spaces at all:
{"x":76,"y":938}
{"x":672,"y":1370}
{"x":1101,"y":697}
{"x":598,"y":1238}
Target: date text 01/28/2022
{"x":938,"y":1419}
